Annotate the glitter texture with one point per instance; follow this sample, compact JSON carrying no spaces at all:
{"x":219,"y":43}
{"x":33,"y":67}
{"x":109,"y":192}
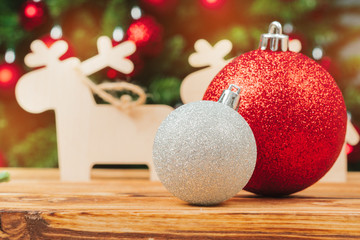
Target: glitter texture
{"x":204,"y":152}
{"x":296,"y":112}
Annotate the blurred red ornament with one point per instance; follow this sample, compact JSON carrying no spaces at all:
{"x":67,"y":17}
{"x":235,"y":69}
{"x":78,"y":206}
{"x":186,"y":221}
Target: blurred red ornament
{"x":3,"y":161}
{"x":212,"y":3}
{"x":33,"y":14}
{"x":48,"y":40}
{"x":111,"y":73}
{"x":297,"y":114}
{"x":9,"y":75}
{"x":348,"y":149}
{"x":146,"y":33}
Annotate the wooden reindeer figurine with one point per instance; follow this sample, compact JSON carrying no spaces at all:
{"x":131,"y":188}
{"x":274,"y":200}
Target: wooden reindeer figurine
{"x":87,"y":132}
{"x":195,"y":84}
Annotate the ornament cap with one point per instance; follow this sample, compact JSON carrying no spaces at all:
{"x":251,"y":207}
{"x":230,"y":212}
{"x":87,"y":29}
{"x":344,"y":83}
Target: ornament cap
{"x":230,"y":98}
{"x":275,"y":37}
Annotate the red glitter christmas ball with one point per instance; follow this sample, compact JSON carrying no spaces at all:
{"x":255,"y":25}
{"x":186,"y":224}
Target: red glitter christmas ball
{"x":296,"y":112}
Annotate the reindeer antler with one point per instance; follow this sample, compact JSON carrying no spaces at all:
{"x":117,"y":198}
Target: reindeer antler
{"x":114,"y":57}
{"x":206,"y":55}
{"x":42,"y":55}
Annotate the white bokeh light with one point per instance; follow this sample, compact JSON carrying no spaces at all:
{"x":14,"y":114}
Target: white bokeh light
{"x":288,"y":28}
{"x":295,"y":45}
{"x":56,"y":32}
{"x":118,"y":34}
{"x":136,"y":12}
{"x":9,"y":56}
{"x":317,"y":53}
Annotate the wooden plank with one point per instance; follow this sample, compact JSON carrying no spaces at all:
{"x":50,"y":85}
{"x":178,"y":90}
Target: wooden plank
{"x":35,"y":205}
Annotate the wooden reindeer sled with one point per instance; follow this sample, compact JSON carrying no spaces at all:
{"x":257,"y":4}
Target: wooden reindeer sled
{"x":90,"y":133}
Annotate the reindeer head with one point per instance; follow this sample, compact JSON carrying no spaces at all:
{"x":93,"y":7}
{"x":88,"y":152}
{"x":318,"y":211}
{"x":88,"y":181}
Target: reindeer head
{"x":46,"y":88}
{"x":34,"y":90}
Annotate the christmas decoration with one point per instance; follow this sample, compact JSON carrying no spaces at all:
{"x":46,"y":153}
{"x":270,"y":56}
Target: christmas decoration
{"x":295,"y":109}
{"x":33,"y":14}
{"x":331,"y":25}
{"x":195,"y":84}
{"x":9,"y":75}
{"x":3,"y":161}
{"x":146,"y":33}
{"x":80,"y":122}
{"x":204,"y":152}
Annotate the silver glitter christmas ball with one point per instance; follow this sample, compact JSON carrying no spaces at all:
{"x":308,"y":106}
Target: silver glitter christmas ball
{"x":204,"y":152}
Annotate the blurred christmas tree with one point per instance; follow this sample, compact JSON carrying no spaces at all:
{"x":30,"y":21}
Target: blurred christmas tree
{"x":164,"y":32}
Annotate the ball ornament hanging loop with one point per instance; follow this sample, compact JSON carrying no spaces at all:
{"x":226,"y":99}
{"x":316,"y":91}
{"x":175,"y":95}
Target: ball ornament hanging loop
{"x":274,"y":38}
{"x":230,"y":98}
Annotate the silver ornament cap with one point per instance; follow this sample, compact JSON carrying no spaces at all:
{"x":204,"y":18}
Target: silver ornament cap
{"x":230,"y":98}
{"x":274,"y":38}
{"x":205,"y":152}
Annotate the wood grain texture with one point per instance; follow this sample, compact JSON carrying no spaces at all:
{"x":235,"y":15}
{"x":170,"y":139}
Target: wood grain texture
{"x":124,"y":204}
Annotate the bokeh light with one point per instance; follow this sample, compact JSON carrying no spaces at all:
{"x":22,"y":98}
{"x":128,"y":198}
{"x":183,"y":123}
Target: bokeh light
{"x":212,"y":3}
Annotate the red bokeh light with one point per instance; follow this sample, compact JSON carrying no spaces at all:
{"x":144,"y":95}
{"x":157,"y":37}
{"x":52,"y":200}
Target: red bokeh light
{"x":212,"y":3}
{"x":3,"y":160}
{"x":111,"y":73}
{"x":5,"y":76}
{"x":348,"y":149}
{"x":147,"y":34}
{"x":33,"y":14}
{"x":156,"y":2}
{"x":9,"y":75}
{"x":31,"y":11}
{"x":138,"y":32}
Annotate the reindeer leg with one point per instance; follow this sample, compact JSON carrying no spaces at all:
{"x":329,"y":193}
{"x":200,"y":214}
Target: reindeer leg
{"x":73,"y":165}
{"x":74,"y":173}
{"x":72,"y":149}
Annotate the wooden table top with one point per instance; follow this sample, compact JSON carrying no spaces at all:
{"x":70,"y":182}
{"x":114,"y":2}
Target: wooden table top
{"x":124,"y":204}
